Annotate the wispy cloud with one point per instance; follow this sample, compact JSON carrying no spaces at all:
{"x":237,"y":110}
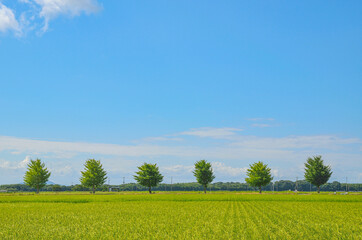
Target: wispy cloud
{"x":8,"y":21}
{"x":212,"y":132}
{"x":286,"y":154}
{"x":51,"y":9}
{"x":62,"y":170}
{"x":219,"y":168}
{"x":177,"y":169}
{"x":261,"y":122}
{"x":295,"y":142}
{"x":40,"y":12}
{"x":241,"y":146}
{"x":222,"y":168}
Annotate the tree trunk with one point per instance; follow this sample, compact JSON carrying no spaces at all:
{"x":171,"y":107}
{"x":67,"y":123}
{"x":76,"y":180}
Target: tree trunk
{"x":37,"y":189}
{"x":205,"y":189}
{"x":319,"y":189}
{"x":149,"y":190}
{"x":260,"y":190}
{"x":93,"y":189}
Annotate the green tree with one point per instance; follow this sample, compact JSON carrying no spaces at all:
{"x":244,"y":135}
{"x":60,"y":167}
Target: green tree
{"x":37,"y":175}
{"x":93,"y":175}
{"x":203,"y":173}
{"x":148,"y":176}
{"x":79,"y":187}
{"x":316,"y":172}
{"x":258,"y":175}
{"x":56,"y":188}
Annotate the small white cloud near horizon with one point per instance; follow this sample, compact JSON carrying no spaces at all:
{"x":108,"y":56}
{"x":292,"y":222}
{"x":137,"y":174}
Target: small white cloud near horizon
{"x":221,"y":168}
{"x":62,"y":171}
{"x":8,"y":21}
{"x":24,"y":163}
{"x":20,"y":165}
{"x":275,"y":173}
{"x":177,"y":168}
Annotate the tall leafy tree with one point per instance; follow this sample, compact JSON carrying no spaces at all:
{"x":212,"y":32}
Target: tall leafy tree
{"x":148,"y":176}
{"x":316,"y":172}
{"x":36,"y":175}
{"x":203,"y":173}
{"x":259,"y":175}
{"x":93,"y":175}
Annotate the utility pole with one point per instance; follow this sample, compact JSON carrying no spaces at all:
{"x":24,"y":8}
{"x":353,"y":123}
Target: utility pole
{"x":171,"y":184}
{"x":346,"y":184}
{"x":124,"y":187}
{"x":296,"y":185}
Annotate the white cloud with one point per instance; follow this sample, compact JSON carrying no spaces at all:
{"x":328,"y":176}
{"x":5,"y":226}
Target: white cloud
{"x":250,"y":147}
{"x":275,"y":173}
{"x":221,"y":168}
{"x":38,"y":146}
{"x":177,"y":169}
{"x":51,"y":9}
{"x":295,"y":142}
{"x":212,"y":132}
{"x":11,"y":165}
{"x":24,"y":163}
{"x":43,"y":11}
{"x":8,"y":21}
{"x":62,"y":171}
{"x":287,"y":154}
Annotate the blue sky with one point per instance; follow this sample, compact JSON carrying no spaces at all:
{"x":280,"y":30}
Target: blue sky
{"x":172,"y":82}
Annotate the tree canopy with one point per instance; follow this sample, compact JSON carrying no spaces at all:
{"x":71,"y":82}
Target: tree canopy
{"x":203,"y":173}
{"x":36,"y":175}
{"x":258,"y":175}
{"x":316,"y":172}
{"x":148,"y":176}
{"x":93,"y":175}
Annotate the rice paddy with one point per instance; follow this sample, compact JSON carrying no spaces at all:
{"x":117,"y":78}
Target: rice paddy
{"x":180,"y":216}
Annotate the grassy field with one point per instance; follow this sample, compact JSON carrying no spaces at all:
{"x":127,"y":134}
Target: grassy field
{"x":180,"y":216}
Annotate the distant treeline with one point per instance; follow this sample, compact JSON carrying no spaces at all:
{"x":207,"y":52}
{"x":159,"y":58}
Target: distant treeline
{"x":283,"y":185}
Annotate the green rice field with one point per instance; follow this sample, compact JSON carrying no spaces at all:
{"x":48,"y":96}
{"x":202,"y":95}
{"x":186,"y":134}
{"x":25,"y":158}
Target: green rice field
{"x":180,"y":216}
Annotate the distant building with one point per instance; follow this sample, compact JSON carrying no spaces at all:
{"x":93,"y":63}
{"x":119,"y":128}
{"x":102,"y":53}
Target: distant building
{"x":114,"y":189}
